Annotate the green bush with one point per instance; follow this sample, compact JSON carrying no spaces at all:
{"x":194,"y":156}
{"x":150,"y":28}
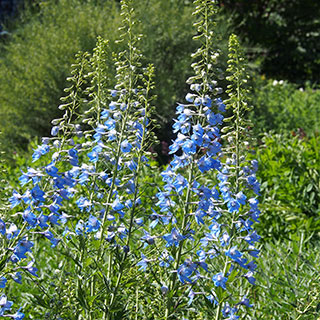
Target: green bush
{"x":283,"y":35}
{"x":288,"y":282}
{"x":36,"y":61}
{"x":283,"y":105}
{"x":290,"y":174}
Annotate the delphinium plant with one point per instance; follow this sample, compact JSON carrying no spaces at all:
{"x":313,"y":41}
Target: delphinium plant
{"x":239,"y":190}
{"x":7,"y":232}
{"x":119,"y":148}
{"x":35,"y":209}
{"x":85,"y":195}
{"x":200,"y":242}
{"x":184,"y":225}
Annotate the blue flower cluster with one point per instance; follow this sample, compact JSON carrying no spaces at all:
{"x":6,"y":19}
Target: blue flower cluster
{"x":188,"y":204}
{"x":94,"y":172}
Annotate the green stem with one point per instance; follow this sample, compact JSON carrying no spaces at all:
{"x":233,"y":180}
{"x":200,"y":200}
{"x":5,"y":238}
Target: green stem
{"x":237,"y":182}
{"x":132,"y":213}
{"x":172,"y":285}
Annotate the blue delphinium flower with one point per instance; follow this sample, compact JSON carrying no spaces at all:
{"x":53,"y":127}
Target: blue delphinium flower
{"x":219,"y":280}
{"x":54,"y":130}
{"x":40,"y":151}
{"x":3,"y":281}
{"x":2,"y":227}
{"x":5,"y":304}
{"x":126,"y":146}
{"x":17,"y":277}
{"x":173,"y":238}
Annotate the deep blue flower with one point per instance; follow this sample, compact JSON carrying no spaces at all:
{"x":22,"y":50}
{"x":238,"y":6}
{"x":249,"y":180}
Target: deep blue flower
{"x":165,"y":201}
{"x":180,"y":183}
{"x":219,"y":280}
{"x":4,"y":304}
{"x":114,"y":93}
{"x":79,"y":227}
{"x":42,"y":221}
{"x":233,"y":205}
{"x":227,"y":311}
{"x":48,"y":234}
{"x":40,"y":151}
{"x":234,"y":254}
{"x":224,"y":239}
{"x":143,"y":263}
{"x":54,"y":130}
{"x":3,"y":281}
{"x":189,"y":146}
{"x":104,"y":114}
{"x":126,"y":146}
{"x":165,"y":259}
{"x":73,"y":157}
{"x":84,"y":203}
{"x":147,"y":238}
{"x":17,"y":277}
{"x":220,"y":104}
{"x":254,"y":253}
{"x":51,"y":170}
{"x":207,"y":163}
{"x":186,"y":270}
{"x":117,"y":205}
{"x":94,"y":153}
{"x":177,"y":143}
{"x":206,"y":101}
{"x":31,"y":174}
{"x":252,"y":238}
{"x":213,"y":148}
{"x":110,"y":124}
{"x":2,"y":227}
{"x":30,"y":217}
{"x":93,"y":224}
{"x":12,"y":231}
{"x":173,"y":238}
{"x":245,"y":302}
{"x":37,"y":194}
{"x":251,"y":266}
{"x":164,"y":290}
{"x":249,"y":276}
{"x":30,"y":268}
{"x":23,"y":246}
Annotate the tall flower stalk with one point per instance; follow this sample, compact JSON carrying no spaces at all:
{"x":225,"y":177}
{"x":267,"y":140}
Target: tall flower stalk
{"x":187,"y":202}
{"x":239,"y":189}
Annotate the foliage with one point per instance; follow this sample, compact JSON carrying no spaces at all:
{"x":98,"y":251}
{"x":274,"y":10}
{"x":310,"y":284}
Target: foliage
{"x":290,"y":171}
{"x":288,"y":281}
{"x":280,"y":105}
{"x":35,"y":64}
{"x":286,"y":33}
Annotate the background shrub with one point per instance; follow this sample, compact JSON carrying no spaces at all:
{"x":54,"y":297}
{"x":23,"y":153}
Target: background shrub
{"x":283,"y":36}
{"x":288,"y":280}
{"x":290,"y":174}
{"x":280,"y":105}
{"x":36,"y":61}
